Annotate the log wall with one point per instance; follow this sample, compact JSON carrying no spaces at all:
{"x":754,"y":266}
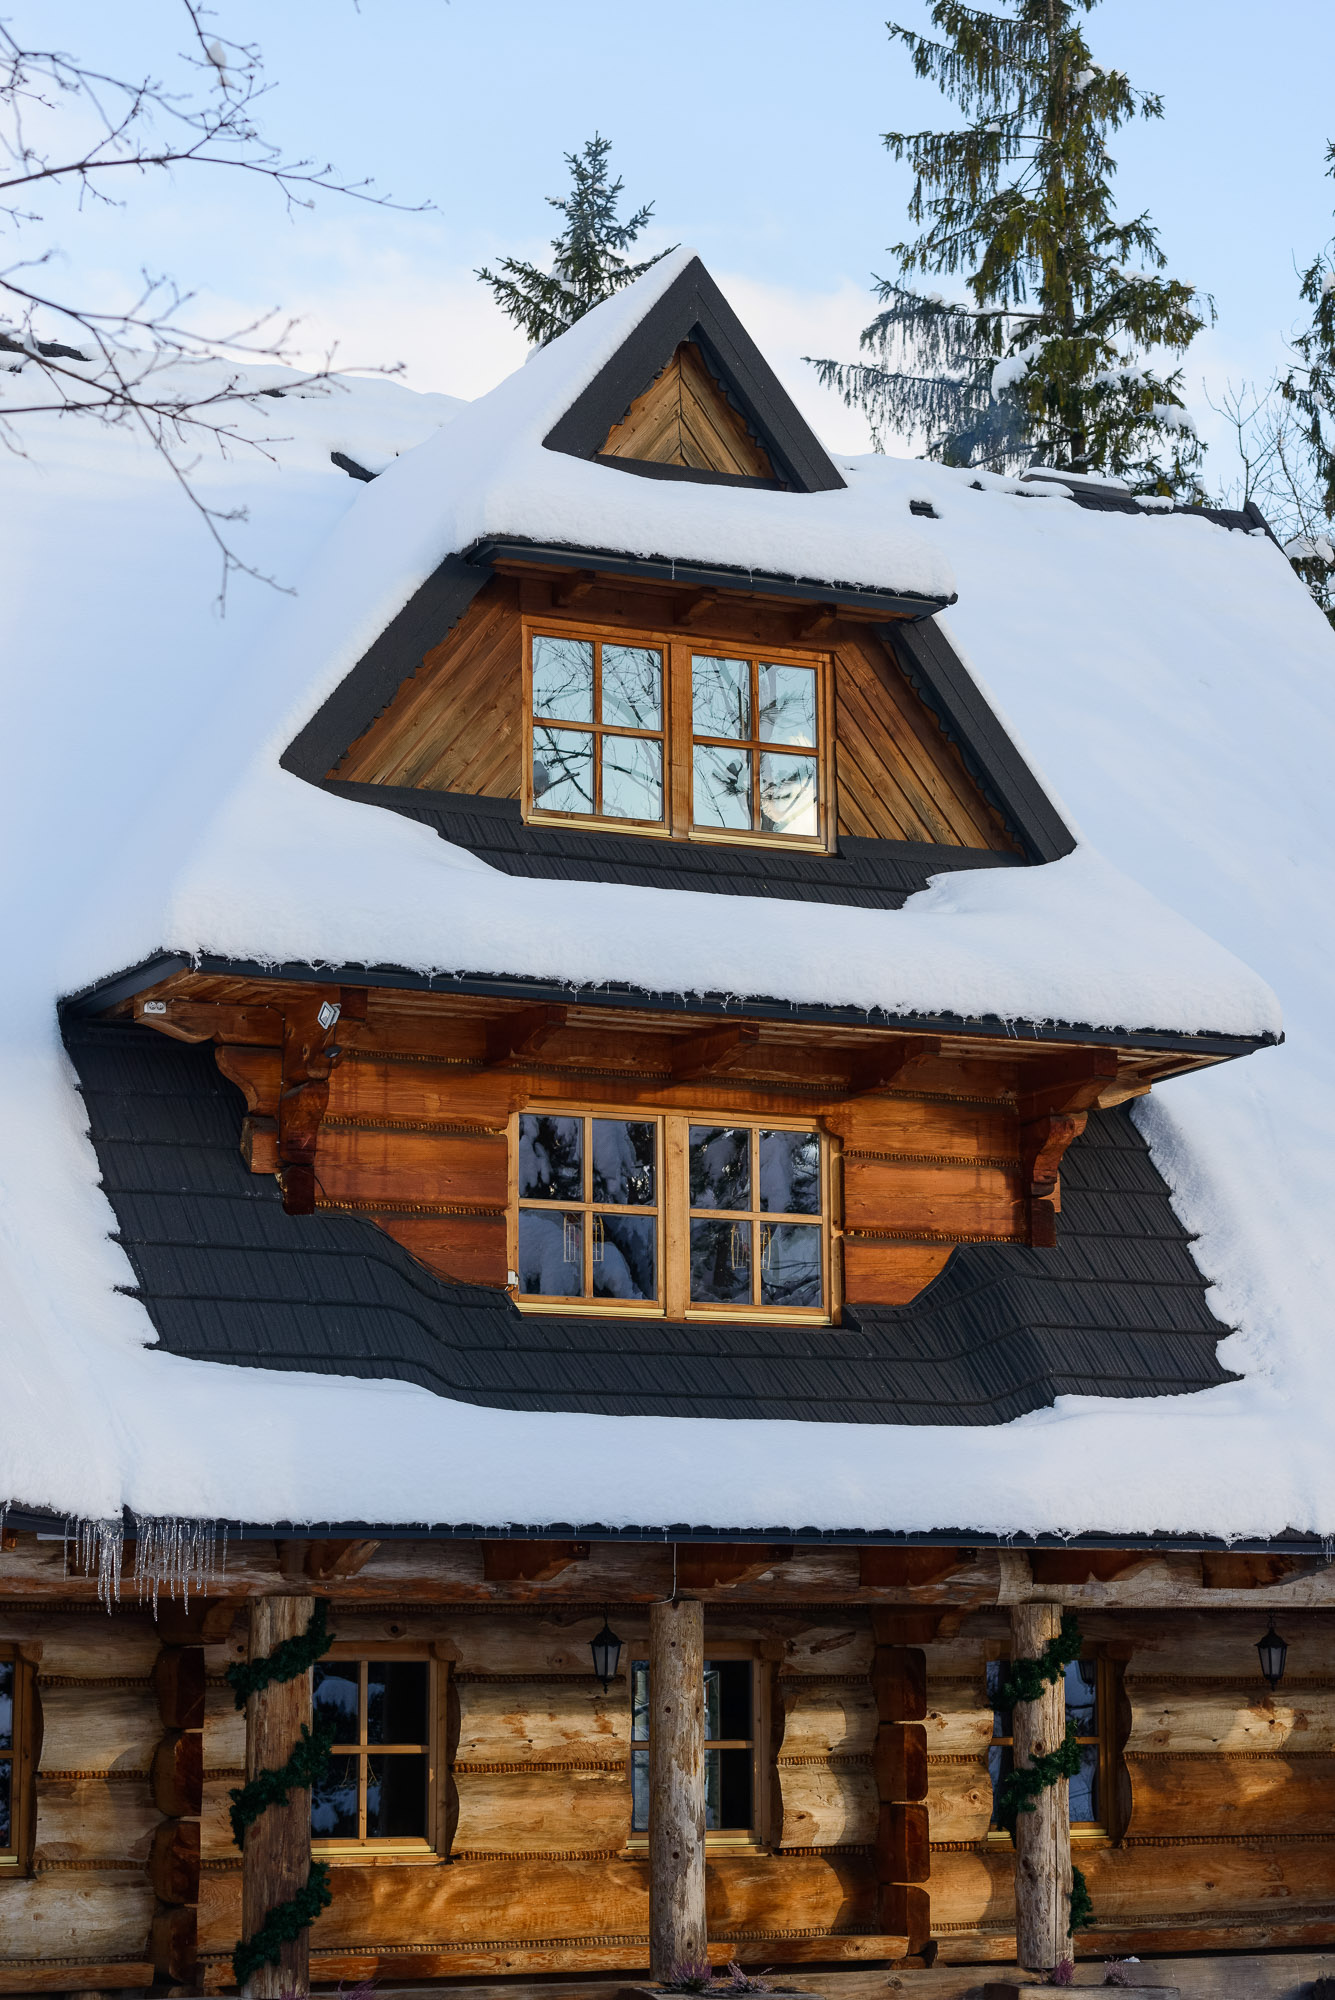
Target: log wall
{"x":1223,"y":1830}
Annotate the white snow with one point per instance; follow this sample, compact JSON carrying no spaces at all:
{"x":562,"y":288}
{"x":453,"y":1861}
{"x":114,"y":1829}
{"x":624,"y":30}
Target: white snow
{"x":1171,"y":682}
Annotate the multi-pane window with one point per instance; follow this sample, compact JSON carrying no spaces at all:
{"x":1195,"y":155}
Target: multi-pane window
{"x":1086,"y":1707}
{"x":597,"y":728}
{"x":588,"y":1207}
{"x":656,"y":735}
{"x":670,"y":1214}
{"x":377,"y":1786}
{"x":730,"y":1746}
{"x":15,"y":1748}
{"x":754,"y":1194}
{"x":753,"y":746}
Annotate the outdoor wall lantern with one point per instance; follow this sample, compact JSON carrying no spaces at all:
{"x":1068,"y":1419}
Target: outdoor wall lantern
{"x":606,"y":1649}
{"x":1273,"y":1652}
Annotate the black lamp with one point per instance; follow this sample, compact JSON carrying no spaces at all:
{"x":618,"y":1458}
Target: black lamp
{"x":606,"y":1649}
{"x":1273,"y":1652}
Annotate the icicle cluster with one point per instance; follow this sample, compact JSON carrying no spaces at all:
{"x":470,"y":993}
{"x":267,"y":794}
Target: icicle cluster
{"x":169,"y":1554}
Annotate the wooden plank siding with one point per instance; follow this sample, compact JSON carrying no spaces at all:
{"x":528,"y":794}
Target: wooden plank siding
{"x":684,"y":418}
{"x":458,"y":724}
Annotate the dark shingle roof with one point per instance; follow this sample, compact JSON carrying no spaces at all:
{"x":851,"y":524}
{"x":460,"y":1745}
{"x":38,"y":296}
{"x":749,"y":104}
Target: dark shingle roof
{"x":1118,"y":1309}
{"x":869,"y":874}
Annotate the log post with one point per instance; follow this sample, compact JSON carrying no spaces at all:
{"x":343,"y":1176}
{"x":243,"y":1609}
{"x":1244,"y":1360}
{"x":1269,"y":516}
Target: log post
{"x":1042,"y":1837}
{"x":277,"y":1855}
{"x":676,"y":1785}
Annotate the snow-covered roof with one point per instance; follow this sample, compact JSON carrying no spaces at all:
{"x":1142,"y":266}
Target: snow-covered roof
{"x":1168,"y":680}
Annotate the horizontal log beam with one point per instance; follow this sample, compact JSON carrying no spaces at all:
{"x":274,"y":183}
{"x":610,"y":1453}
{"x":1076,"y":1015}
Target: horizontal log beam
{"x":526,"y":1033}
{"x":881,"y":1068}
{"x":700,"y":1055}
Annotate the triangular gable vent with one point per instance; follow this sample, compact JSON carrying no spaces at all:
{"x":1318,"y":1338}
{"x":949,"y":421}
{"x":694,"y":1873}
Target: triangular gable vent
{"x":684,"y":418}
{"x":689,"y":395}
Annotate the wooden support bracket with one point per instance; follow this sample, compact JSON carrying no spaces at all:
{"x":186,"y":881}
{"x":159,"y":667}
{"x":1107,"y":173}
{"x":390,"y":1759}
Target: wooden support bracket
{"x":699,"y":1055}
{"x":570,"y":589}
{"x":309,"y":1056}
{"x":323,"y":1561}
{"x":910,"y":1569}
{"x":529,"y":1562}
{"x":1051,"y":1568}
{"x":708,"y":1565}
{"x":1053,"y":1111}
{"x":818,"y":622}
{"x":211,"y":1021}
{"x":697,"y":607}
{"x":526,"y":1033}
{"x":1221,"y":1569}
{"x":879,"y":1068}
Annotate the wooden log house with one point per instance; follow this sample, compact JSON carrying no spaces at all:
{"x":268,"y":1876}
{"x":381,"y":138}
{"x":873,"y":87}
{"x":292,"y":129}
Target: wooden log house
{"x":698,"y":1213}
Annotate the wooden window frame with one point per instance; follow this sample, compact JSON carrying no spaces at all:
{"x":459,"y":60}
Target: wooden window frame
{"x":367,"y":1850}
{"x":724,"y":1839}
{"x":16,"y":1859}
{"x":678,"y":736}
{"x":1087,"y":1832}
{"x":675,"y":1214}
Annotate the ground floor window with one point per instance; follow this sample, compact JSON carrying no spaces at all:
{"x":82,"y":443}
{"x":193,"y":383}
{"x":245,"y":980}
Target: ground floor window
{"x":730,"y":1746}
{"x":1090,"y":1705}
{"x":377,"y":1787}
{"x":16,"y":1730}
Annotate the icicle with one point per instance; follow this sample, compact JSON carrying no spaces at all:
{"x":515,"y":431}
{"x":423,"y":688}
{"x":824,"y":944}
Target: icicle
{"x":176,"y":1555}
{"x":99,"y":1550}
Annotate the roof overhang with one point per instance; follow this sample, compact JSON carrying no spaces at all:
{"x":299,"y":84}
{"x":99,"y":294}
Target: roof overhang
{"x":883,"y":603}
{"x":106,"y":993}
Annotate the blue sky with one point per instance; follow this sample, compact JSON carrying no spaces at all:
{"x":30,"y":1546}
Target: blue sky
{"x":754,"y":126}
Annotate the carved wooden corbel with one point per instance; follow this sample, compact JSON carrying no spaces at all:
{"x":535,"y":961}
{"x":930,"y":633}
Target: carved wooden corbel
{"x":309,"y":1056}
{"x":699,"y":1055}
{"x":881,"y":1068}
{"x":1053,"y":1111}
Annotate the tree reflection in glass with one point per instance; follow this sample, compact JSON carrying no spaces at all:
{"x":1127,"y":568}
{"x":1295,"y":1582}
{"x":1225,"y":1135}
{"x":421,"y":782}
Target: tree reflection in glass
{"x":563,"y":679}
{"x":721,"y":1263}
{"x":623,"y":1161}
{"x":721,"y":697}
{"x":632,"y":777}
{"x":551,"y":1253}
{"x":788,"y":794}
{"x":625,"y":1256}
{"x":787,"y":705}
{"x":790,"y":1264}
{"x":720,"y":1166}
{"x":722,"y":787}
{"x":334,"y":1799}
{"x":551,"y":1158}
{"x":562,"y":769}
{"x":633,"y":688}
{"x":790,"y":1173}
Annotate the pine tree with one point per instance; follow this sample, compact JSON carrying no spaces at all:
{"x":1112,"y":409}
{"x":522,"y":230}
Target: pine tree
{"x":1046,"y":360}
{"x":587,"y":264}
{"x":1310,"y":387}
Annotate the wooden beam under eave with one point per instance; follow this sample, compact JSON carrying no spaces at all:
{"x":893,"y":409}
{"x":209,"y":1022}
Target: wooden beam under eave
{"x":529,"y":1562}
{"x":324,"y":1561}
{"x":1061,"y":1084}
{"x":526,"y":1033}
{"x":700,"y":1055}
{"x":696,"y":609}
{"x":879,"y":1069}
{"x":568,"y":590}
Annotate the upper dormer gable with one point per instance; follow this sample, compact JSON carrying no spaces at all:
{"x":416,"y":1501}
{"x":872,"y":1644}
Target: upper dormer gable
{"x":687,"y":394}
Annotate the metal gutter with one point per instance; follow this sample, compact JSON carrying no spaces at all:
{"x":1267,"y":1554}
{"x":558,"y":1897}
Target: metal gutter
{"x":105,"y":993}
{"x":708,"y":576}
{"x":1290,"y":1542}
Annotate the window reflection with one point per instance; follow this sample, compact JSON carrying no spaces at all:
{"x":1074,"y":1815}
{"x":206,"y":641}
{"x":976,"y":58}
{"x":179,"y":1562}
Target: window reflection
{"x":790,"y":1173}
{"x":377,"y":1783}
{"x":1082,"y":1708}
{"x":607,"y":1246}
{"x":597,"y":770}
{"x":721,"y":697}
{"x":562,"y":770}
{"x":720,"y":1157}
{"x":787,"y":705}
{"x":722,"y":787}
{"x":563,"y":679}
{"x":729,"y":1746}
{"x":551,"y":1158}
{"x":788,"y":794}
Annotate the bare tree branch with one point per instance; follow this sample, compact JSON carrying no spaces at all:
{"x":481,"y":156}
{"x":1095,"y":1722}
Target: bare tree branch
{"x":67,"y":126}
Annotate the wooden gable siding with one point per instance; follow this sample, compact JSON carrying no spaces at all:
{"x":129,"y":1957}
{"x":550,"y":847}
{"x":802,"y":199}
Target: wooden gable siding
{"x":415,"y":1133}
{"x":458,"y":724}
{"x":684,"y":418}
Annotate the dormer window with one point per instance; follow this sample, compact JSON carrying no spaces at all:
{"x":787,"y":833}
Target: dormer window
{"x":665,"y":736}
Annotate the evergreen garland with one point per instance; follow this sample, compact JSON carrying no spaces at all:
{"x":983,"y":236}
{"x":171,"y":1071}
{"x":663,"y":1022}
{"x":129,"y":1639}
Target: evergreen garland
{"x":270,"y":1787}
{"x":1082,"y":1907}
{"x":1028,"y":1678}
{"x":1020,"y":1789}
{"x":289,"y":1658}
{"x":284,"y":1924}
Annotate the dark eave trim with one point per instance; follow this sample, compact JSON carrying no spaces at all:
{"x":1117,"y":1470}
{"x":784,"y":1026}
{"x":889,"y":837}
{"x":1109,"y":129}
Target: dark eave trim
{"x":945,"y":684}
{"x":106,"y":993}
{"x":34,"y":1520}
{"x":693,"y":308}
{"x":670,"y":569}
{"x":648,"y":468}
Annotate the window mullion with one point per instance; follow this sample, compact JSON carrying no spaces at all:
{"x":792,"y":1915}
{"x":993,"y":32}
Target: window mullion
{"x":363,"y":1761}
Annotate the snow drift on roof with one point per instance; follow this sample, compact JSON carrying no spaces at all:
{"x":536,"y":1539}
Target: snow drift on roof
{"x":1168,"y":680}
